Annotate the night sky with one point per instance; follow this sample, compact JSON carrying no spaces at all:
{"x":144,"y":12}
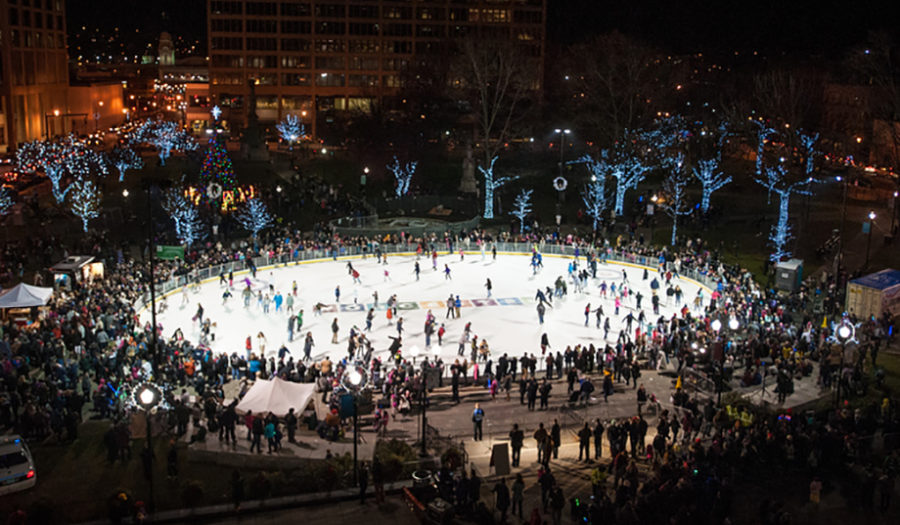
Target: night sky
{"x":821,"y":27}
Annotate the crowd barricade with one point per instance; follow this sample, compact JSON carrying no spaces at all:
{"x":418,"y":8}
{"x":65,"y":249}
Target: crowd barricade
{"x":321,"y":255}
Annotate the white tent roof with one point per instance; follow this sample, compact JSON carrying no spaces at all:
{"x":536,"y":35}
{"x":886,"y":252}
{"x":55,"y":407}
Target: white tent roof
{"x":277,"y":396}
{"x":24,"y":296}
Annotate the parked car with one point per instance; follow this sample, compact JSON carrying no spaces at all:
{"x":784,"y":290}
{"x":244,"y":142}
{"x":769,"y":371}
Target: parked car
{"x":16,"y":465}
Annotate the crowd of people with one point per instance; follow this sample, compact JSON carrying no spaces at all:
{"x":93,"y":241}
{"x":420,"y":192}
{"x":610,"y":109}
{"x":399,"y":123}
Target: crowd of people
{"x":88,"y":346}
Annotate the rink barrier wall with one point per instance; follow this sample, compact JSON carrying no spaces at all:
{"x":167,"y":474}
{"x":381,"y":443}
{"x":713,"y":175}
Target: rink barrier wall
{"x":347,"y":253}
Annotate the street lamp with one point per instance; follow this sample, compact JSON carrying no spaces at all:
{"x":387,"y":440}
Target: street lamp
{"x":125,"y":193}
{"x":894,"y":213}
{"x":354,"y":380}
{"x":843,"y":213}
{"x":562,"y":146}
{"x":844,"y":334}
{"x":871,"y":217}
{"x":148,"y":396}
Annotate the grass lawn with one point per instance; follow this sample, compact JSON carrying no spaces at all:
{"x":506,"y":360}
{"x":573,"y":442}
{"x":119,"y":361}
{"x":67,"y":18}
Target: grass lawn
{"x":75,"y":482}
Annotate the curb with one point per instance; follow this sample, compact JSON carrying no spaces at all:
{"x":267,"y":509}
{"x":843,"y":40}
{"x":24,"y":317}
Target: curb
{"x":225,"y":510}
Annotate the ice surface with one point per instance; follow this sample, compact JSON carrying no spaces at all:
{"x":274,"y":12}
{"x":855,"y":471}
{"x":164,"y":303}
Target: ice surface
{"x":508,"y":320}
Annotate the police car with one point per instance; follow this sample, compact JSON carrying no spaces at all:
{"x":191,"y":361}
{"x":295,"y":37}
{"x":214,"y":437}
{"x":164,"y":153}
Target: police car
{"x":16,"y":465}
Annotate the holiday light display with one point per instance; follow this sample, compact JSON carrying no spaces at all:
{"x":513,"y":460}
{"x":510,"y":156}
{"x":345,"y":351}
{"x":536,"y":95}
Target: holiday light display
{"x":403,"y":173}
{"x":6,"y":201}
{"x":522,"y":207}
{"x":781,"y":230}
{"x":166,"y":136}
{"x":808,"y":143}
{"x":60,"y":160}
{"x":291,"y":130}
{"x":254,"y":216}
{"x":711,"y":179}
{"x":85,"y":201}
{"x":763,"y":133}
{"x":217,"y":169}
{"x":188,"y":226}
{"x":490,"y":185}
{"x":674,"y":187}
{"x":594,"y":193}
{"x":628,"y":171}
{"x":124,"y":158}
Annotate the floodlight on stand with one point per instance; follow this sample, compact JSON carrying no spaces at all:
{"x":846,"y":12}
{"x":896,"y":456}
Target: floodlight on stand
{"x":354,"y":377}
{"x":844,"y":332}
{"x":694,"y":345}
{"x":147,"y":396}
{"x":717,"y":325}
{"x":733,"y":323}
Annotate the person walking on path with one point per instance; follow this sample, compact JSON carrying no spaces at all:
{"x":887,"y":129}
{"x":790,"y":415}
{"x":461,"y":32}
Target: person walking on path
{"x":477,"y":420}
{"x":540,"y":435}
{"x":584,"y":443}
{"x":502,"y":502}
{"x":516,"y":440}
{"x":518,"y":495}
{"x":555,"y":438}
{"x":598,"y":440}
{"x":378,"y":481}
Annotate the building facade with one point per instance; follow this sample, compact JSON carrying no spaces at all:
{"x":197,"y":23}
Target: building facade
{"x":313,"y":58}
{"x":33,"y":70}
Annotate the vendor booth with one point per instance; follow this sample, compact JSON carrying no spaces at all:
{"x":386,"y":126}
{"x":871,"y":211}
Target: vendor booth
{"x":278,"y":397}
{"x":76,"y":270}
{"x":21,"y":302}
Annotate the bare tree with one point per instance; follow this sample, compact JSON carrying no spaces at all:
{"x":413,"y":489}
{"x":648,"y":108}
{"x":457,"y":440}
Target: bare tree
{"x":614,"y":84}
{"x":788,"y":96}
{"x":497,"y":81}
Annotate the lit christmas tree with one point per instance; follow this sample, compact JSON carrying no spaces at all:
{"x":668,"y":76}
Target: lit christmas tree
{"x":217,"y":173}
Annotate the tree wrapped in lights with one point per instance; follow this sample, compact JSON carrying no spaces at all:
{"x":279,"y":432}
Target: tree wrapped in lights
{"x":60,"y":160}
{"x":85,"y":201}
{"x":6,"y":201}
{"x":628,"y":171}
{"x":403,"y":173}
{"x":254,"y":216}
{"x":166,"y":136}
{"x":675,"y":187}
{"x":217,"y":168}
{"x":522,"y":207}
{"x":763,"y":133}
{"x":781,"y":230}
{"x":125,"y":158}
{"x":491,"y":183}
{"x":711,"y":178}
{"x":594,"y":193}
{"x":808,"y":143}
{"x":291,"y":130}
{"x":188,"y":226}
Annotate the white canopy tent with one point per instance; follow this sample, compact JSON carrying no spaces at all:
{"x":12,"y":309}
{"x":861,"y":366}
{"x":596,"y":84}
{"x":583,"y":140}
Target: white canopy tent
{"x":25,"y":296}
{"x":277,"y":396}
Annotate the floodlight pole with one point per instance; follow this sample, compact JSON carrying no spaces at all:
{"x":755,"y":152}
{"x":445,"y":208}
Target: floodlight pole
{"x":355,"y":437}
{"x":424,"y":451}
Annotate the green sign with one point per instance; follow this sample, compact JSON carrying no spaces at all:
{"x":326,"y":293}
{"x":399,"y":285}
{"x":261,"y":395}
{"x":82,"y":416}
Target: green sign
{"x":169,"y":252}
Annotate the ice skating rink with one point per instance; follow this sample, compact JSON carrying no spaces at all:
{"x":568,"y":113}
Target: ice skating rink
{"x":508,"y":320}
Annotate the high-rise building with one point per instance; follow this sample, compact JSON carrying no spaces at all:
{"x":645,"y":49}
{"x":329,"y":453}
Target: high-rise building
{"x":314,"y":58}
{"x":33,"y":70}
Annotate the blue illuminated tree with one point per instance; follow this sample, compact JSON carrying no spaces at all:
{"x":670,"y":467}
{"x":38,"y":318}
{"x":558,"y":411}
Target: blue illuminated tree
{"x":491,"y":183}
{"x":6,"y":201}
{"x":594,"y":193}
{"x":188,"y":226}
{"x":291,"y":130}
{"x":403,"y":173}
{"x":781,"y":230}
{"x":628,"y":171}
{"x":522,"y":207}
{"x":808,"y":143}
{"x":711,"y":178}
{"x":674,"y":187}
{"x":763,"y":134}
{"x":125,"y":158}
{"x":254,"y":216}
{"x":84,"y":201}
{"x":166,"y":136}
{"x":60,"y":159}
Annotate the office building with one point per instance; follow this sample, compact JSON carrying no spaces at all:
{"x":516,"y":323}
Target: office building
{"x":318,"y":58}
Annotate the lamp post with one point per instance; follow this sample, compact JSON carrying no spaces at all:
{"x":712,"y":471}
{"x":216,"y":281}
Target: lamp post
{"x":148,"y":396}
{"x":652,"y":213}
{"x":843,"y":213}
{"x":844,"y":334}
{"x":894,"y":213}
{"x":871,"y":217}
{"x":354,"y":380}
{"x":562,"y":146}
{"x":424,"y":452}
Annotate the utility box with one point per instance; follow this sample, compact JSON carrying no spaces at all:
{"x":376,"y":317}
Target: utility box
{"x":789,"y":275}
{"x":874,"y":294}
